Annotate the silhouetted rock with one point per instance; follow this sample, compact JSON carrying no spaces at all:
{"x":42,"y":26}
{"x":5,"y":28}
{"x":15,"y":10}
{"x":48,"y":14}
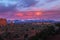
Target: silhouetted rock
{"x":16,"y":36}
{"x":26,"y":37}
{"x":1,"y":38}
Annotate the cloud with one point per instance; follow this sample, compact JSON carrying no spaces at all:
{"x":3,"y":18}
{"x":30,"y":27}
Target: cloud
{"x":29,"y":5}
{"x":9,"y":8}
{"x":44,"y":5}
{"x":6,"y":9}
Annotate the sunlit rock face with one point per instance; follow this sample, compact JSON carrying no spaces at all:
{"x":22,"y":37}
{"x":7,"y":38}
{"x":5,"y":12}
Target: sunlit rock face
{"x":3,"y":22}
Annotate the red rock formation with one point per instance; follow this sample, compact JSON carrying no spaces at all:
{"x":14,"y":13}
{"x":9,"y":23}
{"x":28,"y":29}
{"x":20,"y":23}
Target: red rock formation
{"x":3,"y":22}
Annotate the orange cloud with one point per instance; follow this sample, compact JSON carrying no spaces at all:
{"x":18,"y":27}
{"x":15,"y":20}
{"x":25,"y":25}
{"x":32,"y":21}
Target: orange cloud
{"x":38,"y":13}
{"x":29,"y":15}
{"x":19,"y":14}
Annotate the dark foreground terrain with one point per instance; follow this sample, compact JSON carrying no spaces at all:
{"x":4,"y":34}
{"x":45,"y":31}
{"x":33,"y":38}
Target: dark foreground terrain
{"x":30,"y":31}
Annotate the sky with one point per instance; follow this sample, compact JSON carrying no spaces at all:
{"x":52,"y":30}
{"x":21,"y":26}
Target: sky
{"x":30,"y":9}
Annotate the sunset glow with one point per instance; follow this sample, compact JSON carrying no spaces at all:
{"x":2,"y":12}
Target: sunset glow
{"x":30,"y":9}
{"x":29,"y":14}
{"x":38,"y":13}
{"x":19,"y":14}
